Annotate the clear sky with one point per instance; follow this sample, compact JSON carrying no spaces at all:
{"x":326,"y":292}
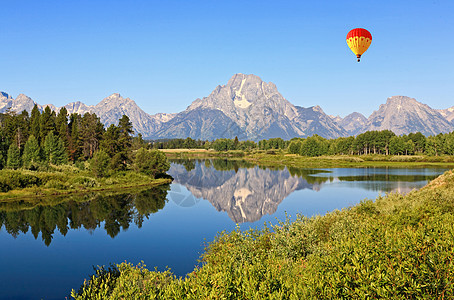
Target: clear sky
{"x":165,"y":54}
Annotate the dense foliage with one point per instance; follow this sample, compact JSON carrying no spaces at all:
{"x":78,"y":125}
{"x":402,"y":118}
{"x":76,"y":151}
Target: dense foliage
{"x":396,"y":247}
{"x":383,"y":142}
{"x":47,"y":139}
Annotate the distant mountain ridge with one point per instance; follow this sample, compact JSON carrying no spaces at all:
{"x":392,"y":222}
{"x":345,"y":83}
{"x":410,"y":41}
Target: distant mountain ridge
{"x":109,"y":110}
{"x":250,"y":108}
{"x":403,"y":115}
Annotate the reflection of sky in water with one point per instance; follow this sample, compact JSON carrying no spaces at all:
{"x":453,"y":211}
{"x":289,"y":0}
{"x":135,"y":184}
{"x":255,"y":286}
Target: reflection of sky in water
{"x":175,"y":235}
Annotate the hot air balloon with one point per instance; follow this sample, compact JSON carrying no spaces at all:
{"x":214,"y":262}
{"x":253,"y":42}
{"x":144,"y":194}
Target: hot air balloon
{"x":359,"y":40}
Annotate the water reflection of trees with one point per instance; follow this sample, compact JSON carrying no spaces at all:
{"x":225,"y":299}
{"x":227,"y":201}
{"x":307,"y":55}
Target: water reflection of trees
{"x":218,"y":164}
{"x":117,"y":211}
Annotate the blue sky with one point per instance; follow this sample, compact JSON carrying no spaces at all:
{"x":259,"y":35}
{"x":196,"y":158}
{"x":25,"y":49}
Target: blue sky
{"x":165,"y":54}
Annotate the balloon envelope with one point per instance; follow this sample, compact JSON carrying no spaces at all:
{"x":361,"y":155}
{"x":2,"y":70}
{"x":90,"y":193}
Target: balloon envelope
{"x":359,"y":40}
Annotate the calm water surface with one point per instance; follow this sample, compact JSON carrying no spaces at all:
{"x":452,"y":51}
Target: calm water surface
{"x":46,"y":250}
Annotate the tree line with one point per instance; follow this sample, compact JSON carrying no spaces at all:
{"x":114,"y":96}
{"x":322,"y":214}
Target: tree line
{"x":38,"y":139}
{"x":383,"y":142}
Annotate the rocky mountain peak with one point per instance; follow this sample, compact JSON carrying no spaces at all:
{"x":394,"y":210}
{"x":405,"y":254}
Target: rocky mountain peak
{"x":318,"y":109}
{"x":353,"y":123}
{"x":113,"y":98}
{"x":249,"y":108}
{"x":447,"y":113}
{"x":23,"y":98}
{"x":403,"y":115}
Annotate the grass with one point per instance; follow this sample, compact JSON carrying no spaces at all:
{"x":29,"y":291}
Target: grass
{"x":61,"y":180}
{"x":396,"y":247}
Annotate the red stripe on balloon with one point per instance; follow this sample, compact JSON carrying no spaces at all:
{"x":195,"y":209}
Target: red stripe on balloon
{"x":359,"y":32}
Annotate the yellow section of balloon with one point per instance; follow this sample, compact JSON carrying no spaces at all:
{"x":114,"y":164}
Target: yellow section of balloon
{"x":358,"y":44}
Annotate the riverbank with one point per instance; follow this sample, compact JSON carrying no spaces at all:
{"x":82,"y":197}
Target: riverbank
{"x":395,"y":247}
{"x":65,"y":180}
{"x":282,"y":158}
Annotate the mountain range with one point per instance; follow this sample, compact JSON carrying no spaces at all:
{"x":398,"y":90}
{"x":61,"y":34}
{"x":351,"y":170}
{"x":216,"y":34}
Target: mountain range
{"x":250,"y":108}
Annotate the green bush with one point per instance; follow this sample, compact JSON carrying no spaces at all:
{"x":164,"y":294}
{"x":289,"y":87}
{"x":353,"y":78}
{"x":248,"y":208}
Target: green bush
{"x":151,"y":162}
{"x":56,"y":184}
{"x":85,"y":182}
{"x":16,"y":179}
{"x":99,"y":163}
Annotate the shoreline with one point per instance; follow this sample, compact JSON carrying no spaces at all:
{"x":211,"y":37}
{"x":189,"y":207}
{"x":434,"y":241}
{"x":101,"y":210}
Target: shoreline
{"x":280,"y":158}
{"x":38,"y":193}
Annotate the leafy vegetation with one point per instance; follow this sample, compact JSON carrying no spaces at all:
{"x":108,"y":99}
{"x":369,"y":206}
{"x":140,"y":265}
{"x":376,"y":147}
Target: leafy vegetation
{"x":396,"y":247}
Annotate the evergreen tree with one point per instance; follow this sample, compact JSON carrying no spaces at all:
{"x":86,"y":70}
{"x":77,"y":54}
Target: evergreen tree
{"x":138,"y":142}
{"x":22,"y":129}
{"x":3,"y":152}
{"x":31,"y":156}
{"x":61,"y":125}
{"x":75,"y":143}
{"x":110,"y":141}
{"x":126,"y":132}
{"x":46,"y":123}
{"x":54,"y":150}
{"x":34,"y":122}
{"x":13,"y":161}
{"x":235,"y":143}
{"x":8,"y":124}
{"x":91,"y":132}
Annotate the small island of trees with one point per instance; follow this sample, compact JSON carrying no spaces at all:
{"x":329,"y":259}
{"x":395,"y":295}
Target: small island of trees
{"x":64,"y":152}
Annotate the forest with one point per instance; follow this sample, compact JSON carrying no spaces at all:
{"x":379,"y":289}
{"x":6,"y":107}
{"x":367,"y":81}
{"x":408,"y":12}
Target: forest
{"x":383,"y":142}
{"x":67,"y":152}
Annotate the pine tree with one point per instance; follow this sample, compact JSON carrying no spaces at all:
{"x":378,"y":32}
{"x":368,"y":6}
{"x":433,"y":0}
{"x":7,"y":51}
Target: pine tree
{"x":54,"y":150}
{"x":21,"y":123}
{"x":47,"y":123}
{"x":31,"y":156}
{"x":91,"y":131}
{"x":3,"y":151}
{"x":75,"y":143}
{"x":35,"y":121}
{"x":110,"y":141}
{"x":126,"y":132}
{"x":13,"y":161}
{"x":61,"y":124}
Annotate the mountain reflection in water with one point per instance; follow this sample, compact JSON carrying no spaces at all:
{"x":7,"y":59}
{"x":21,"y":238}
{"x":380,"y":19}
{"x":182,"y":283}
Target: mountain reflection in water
{"x":247,"y":191}
{"x":116,"y":210}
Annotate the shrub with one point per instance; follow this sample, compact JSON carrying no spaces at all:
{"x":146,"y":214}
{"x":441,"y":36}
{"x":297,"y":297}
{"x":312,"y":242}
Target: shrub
{"x":99,"y":163}
{"x":151,"y":162}
{"x":85,"y":181}
{"x":13,"y":161}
